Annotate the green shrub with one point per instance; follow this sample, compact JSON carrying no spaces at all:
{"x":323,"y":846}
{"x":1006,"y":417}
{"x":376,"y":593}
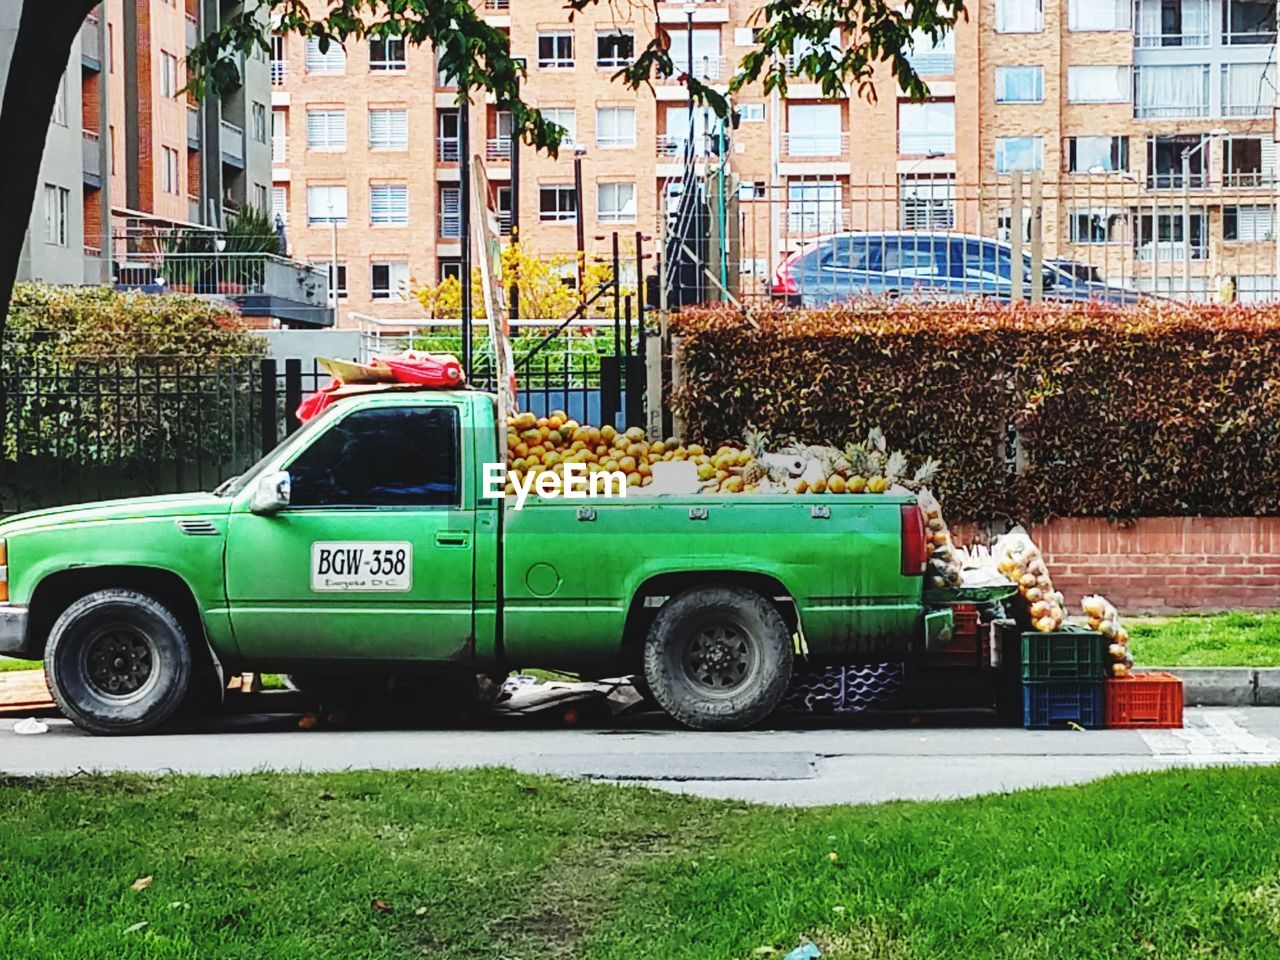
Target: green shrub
{"x":1036,"y":412}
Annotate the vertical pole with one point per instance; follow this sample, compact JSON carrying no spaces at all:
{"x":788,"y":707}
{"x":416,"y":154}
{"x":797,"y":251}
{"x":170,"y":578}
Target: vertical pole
{"x":617,"y":305}
{"x":333,"y":263}
{"x":464,"y":210}
{"x":267,"y":426}
{"x":1037,"y":253}
{"x":1186,"y":222}
{"x":514,"y":296}
{"x":292,"y":394}
{"x":641,"y":289}
{"x":580,"y":220}
{"x":1015,"y":237}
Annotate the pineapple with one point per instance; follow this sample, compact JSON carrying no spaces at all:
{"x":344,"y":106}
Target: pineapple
{"x":755,"y":470}
{"x":924,"y":475}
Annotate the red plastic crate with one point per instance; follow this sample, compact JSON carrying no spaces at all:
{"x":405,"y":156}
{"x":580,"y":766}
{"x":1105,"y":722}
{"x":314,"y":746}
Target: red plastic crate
{"x":964,"y":650}
{"x":1144,"y":700}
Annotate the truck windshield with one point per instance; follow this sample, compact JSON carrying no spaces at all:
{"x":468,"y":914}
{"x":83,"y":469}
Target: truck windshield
{"x":232,"y":486}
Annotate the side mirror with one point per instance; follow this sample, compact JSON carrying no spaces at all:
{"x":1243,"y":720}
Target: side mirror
{"x":271,"y":493}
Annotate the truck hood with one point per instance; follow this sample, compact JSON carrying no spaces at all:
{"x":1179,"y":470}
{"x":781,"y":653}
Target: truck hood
{"x":166,"y":505}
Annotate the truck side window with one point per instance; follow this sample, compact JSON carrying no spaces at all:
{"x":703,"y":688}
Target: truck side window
{"x":382,"y":457}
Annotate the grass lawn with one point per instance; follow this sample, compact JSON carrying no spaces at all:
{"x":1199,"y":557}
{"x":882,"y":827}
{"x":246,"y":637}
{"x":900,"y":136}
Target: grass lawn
{"x":1219,"y":640}
{"x":489,"y":864}
{"x":8,"y":663}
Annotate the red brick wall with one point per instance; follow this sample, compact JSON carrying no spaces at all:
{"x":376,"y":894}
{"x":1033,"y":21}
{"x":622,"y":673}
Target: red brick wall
{"x":1164,"y":564}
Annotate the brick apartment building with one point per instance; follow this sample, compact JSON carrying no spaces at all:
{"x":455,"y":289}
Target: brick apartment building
{"x":1104,"y":98}
{"x":126,"y":146}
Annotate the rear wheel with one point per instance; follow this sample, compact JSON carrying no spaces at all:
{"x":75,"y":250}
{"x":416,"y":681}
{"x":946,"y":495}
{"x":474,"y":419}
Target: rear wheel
{"x":718,"y":658}
{"x":118,"y":662}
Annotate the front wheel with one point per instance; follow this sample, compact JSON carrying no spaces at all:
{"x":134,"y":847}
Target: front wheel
{"x":117,"y":662}
{"x":718,"y":658}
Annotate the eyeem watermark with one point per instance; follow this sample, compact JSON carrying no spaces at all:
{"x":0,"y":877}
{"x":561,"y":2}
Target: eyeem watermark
{"x":575,"y":484}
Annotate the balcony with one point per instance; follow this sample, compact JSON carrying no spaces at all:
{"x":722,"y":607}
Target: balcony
{"x":92,"y":159}
{"x":815,"y":145}
{"x":498,"y":148}
{"x":91,"y":43}
{"x":193,"y":128}
{"x":279,"y":72}
{"x":814,"y":217}
{"x":704,"y":67}
{"x":279,"y":151}
{"x":926,"y":143}
{"x":447,"y":150}
{"x":259,"y":284}
{"x":232,"y":144}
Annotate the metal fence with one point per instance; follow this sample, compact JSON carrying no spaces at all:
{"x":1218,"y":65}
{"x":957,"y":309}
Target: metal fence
{"x":101,"y":430}
{"x":1181,"y":230}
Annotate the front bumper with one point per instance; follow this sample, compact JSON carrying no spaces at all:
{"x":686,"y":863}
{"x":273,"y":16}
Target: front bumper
{"x":13,"y":631}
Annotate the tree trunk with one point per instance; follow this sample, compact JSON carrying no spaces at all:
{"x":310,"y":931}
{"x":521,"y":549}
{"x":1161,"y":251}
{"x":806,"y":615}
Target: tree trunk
{"x":46,"y":32}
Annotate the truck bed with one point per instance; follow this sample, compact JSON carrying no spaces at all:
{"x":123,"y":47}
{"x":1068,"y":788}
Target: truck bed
{"x":572,"y":570}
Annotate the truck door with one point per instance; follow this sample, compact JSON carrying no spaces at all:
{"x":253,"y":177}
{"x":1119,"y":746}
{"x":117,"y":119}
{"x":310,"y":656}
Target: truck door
{"x":372,"y":557}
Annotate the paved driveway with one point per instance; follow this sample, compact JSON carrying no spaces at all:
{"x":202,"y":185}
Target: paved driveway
{"x":865,"y":761}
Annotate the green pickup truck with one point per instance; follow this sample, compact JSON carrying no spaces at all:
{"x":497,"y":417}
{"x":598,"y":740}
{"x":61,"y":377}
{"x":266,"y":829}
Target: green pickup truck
{"x":365,"y":546}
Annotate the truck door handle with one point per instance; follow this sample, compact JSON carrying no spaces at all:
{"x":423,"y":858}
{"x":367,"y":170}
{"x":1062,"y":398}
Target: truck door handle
{"x":453,"y":538}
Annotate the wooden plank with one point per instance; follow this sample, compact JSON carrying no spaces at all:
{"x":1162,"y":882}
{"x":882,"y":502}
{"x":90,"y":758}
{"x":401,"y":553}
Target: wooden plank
{"x":22,"y":691}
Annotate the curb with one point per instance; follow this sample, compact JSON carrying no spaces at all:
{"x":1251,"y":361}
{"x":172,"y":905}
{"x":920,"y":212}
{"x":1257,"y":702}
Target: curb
{"x":1227,"y":686}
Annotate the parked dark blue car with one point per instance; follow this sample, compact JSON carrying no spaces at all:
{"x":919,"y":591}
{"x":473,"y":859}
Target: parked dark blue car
{"x":948,"y":265}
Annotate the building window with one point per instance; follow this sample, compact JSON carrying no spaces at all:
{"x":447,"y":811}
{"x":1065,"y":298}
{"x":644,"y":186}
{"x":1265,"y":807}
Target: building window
{"x":563,"y":117}
{"x":111,"y":47}
{"x":1173,"y":23}
{"x":327,"y":204}
{"x":389,"y":281}
{"x":1098,"y":84}
{"x":260,"y":122}
{"x":1247,"y":161}
{"x":169,"y":178}
{"x":450,"y":213}
{"x":448,"y":131}
{"x":389,"y":129}
{"x":260,"y":197}
{"x":1248,"y":21}
{"x":927,"y":203}
{"x":1171,"y":91}
{"x":389,"y":204}
{"x":330,"y":60}
{"x":168,"y":74}
{"x":341,"y":287}
{"x":615,"y":49}
{"x":1248,"y":89}
{"x":279,"y":64}
{"x":1159,"y":236}
{"x":1019,"y":16}
{"x":111,"y":146}
{"x":814,"y":206}
{"x":1164,"y":161}
{"x":753,"y":190}
{"x":451,"y":270}
{"x":706,"y":61}
{"x":60,"y":102}
{"x":1096,"y":154}
{"x":555,"y":51}
{"x":1019,"y":153}
{"x":751,"y":113}
{"x":615,"y":202}
{"x":930,"y":57}
{"x":1098,"y":226}
{"x":1099,"y":15}
{"x":56,"y":203}
{"x":557,"y":204}
{"x":280,"y":203}
{"x":925,"y":128}
{"x":279,"y":137}
{"x":813,"y":130}
{"x":386,"y":55}
{"x":615,"y":126}
{"x":1019,"y":84}
{"x":326,"y":129}
{"x":1249,"y":224}
{"x":502,"y":203}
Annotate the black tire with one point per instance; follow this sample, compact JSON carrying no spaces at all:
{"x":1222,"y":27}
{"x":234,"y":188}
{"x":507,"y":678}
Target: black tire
{"x":718,"y":658}
{"x":118,"y":662}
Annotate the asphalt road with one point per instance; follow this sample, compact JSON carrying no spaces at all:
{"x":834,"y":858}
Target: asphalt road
{"x":864,"y":761}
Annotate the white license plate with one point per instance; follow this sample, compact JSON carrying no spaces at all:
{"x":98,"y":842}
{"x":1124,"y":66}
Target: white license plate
{"x":357,"y":565}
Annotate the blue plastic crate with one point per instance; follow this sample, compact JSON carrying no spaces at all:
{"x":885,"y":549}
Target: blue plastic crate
{"x":1048,"y":705}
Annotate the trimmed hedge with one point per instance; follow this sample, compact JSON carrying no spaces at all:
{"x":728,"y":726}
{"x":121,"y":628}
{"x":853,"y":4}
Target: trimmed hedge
{"x":1055,"y":410}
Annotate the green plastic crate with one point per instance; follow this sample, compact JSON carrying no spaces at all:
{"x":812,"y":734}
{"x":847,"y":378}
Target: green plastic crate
{"x":1064,"y":655}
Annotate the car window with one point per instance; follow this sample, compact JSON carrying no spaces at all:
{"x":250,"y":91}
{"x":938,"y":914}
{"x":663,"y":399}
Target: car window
{"x":987,"y":261}
{"x":844,"y":253}
{"x":381,"y":457}
{"x":909,"y":256}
